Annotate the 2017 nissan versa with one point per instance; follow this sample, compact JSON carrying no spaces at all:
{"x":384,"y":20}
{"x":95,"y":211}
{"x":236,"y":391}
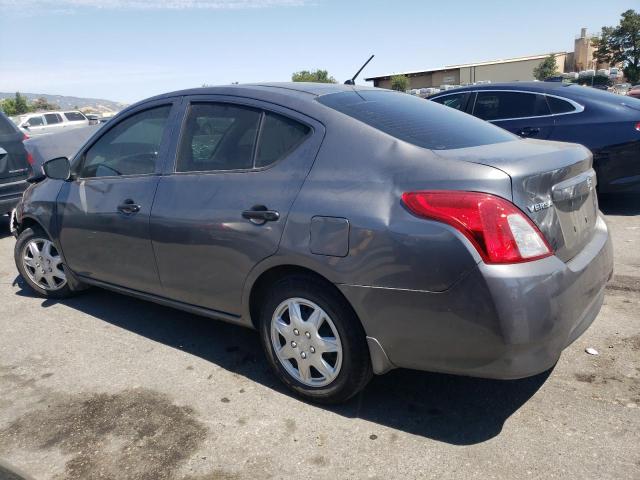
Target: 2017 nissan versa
{"x":357,"y":229}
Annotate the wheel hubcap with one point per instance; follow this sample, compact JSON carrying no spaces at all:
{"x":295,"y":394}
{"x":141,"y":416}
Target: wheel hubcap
{"x":306,"y":342}
{"x":43,"y":264}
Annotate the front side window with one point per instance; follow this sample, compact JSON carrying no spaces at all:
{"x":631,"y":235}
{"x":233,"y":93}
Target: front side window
{"x":52,"y":118}
{"x":35,"y":122}
{"x":129,"y":148}
{"x":507,"y":105}
{"x":74,"y":116}
{"x":457,"y":101}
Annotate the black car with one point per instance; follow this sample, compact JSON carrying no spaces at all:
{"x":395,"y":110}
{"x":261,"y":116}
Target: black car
{"x":14,"y":165}
{"x":606,"y":123}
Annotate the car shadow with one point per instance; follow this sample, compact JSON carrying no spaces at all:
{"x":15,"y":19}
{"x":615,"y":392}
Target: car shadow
{"x":452,"y":409}
{"x":620,"y":204}
{"x":4,"y":226}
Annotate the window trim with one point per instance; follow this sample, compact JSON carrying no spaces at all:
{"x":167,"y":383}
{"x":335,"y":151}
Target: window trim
{"x":79,"y":159}
{"x":577,"y":106}
{"x":262,"y":110}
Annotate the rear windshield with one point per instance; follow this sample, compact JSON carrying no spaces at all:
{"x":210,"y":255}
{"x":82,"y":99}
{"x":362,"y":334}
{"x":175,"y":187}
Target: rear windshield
{"x":415,"y":120}
{"x":6,"y":127}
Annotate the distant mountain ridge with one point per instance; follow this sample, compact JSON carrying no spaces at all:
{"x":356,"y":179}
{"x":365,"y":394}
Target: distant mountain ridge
{"x":70,"y":103}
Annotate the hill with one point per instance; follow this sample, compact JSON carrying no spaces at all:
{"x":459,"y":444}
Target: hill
{"x":71,"y":103}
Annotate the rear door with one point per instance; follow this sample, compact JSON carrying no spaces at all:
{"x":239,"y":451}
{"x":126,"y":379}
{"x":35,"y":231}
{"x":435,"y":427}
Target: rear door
{"x":526,"y":114}
{"x":224,"y":202}
{"x":54,"y":122}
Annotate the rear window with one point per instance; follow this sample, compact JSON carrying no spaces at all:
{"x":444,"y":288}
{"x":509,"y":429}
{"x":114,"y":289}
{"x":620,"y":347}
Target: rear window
{"x":74,"y":116}
{"x":6,"y":127}
{"x":507,"y":105}
{"x":415,"y":120}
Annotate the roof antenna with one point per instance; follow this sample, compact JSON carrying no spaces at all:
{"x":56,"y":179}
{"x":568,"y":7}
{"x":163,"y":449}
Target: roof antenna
{"x":353,"y":80}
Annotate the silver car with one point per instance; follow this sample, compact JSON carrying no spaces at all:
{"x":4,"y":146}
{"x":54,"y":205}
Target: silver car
{"x":357,"y":229}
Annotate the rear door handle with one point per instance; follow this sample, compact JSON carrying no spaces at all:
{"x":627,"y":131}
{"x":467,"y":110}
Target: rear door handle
{"x":260,"y":214}
{"x":529,"y":131}
{"x":129,"y":207}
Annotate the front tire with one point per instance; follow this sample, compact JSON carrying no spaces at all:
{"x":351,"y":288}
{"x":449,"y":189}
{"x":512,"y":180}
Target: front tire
{"x":40,"y":264}
{"x":313,"y":340}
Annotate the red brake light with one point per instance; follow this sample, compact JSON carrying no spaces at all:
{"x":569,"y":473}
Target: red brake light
{"x":638,"y":126}
{"x":500,"y":231}
{"x":29,"y":158}
{"x":25,"y":137}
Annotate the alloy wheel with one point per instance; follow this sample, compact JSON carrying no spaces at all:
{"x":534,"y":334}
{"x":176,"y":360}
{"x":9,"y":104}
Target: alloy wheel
{"x":43,"y":264}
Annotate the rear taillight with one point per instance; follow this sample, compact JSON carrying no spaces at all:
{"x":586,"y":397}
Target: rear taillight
{"x":29,"y":158}
{"x":638,"y":126}
{"x":500,"y":231}
{"x":25,"y":137}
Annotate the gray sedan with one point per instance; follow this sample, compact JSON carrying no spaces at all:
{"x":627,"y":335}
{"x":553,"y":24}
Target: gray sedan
{"x":357,"y":229}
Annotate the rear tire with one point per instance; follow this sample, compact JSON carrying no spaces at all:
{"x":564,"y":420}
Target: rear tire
{"x":40,"y":265}
{"x":313,"y":340}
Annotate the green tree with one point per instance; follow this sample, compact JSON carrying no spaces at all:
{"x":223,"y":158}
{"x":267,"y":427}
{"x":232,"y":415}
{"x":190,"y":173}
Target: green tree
{"x":399,"y":83}
{"x":321,"y":76}
{"x":547,"y":68}
{"x":15,"y":106}
{"x":42,"y":104}
{"x":621,"y":44}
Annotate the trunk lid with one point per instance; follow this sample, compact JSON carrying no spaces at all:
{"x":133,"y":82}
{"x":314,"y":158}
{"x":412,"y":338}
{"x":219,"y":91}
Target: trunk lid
{"x":553,"y":183}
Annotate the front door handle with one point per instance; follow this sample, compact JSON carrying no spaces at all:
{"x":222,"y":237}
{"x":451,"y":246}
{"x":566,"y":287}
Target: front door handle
{"x":529,"y":131}
{"x":129,"y":207}
{"x":260,"y":214}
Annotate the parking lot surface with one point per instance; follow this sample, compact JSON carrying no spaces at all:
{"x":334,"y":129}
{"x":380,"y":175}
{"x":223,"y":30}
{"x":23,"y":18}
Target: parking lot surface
{"x":104,"y":386}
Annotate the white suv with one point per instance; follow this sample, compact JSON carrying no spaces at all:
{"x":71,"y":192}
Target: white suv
{"x":49,"y":122}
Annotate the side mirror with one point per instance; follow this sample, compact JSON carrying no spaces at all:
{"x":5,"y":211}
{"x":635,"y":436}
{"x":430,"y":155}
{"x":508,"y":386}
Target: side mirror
{"x":25,"y":126}
{"x":3,"y":153}
{"x":57,"y":169}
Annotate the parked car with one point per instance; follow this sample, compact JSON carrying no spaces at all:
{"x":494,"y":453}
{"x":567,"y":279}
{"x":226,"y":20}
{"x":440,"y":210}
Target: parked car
{"x":14,"y":165}
{"x":607,"y":124}
{"x":357,"y":229}
{"x":61,"y":144}
{"x":51,"y":122}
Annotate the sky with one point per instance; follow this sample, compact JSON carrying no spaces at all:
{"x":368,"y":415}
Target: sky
{"x":129,"y":50}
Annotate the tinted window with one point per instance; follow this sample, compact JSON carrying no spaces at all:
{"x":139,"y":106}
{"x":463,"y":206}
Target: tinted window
{"x":52,"y":118}
{"x":504,"y":105}
{"x":415,"y":120}
{"x":35,"y":122}
{"x":6,"y":127}
{"x":457,"y":101}
{"x":558,"y":105}
{"x":74,"y":116}
{"x":129,"y":148}
{"x":218,"y":137}
{"x":278,"y":136}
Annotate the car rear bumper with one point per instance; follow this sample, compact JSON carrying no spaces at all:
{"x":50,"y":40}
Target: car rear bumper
{"x":499,"y":321}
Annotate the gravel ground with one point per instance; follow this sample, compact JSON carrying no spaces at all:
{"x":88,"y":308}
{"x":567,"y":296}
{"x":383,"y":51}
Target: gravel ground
{"x":107,"y":387}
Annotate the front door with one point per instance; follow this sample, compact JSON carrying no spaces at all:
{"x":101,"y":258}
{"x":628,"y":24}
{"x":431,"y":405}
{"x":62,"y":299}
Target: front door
{"x":104,"y":212}
{"x":223,"y":207}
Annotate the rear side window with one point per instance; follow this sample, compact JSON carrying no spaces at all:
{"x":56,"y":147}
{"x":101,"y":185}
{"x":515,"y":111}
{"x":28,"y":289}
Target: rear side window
{"x":52,"y":118}
{"x":457,"y":100}
{"x":507,"y":105}
{"x":421,"y":122}
{"x":278,"y":136}
{"x":219,"y":136}
{"x":74,"y":116}
{"x":558,"y":105}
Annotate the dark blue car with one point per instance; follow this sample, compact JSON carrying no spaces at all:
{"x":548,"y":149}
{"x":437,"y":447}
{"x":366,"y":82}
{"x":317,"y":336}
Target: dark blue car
{"x":606,"y":123}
